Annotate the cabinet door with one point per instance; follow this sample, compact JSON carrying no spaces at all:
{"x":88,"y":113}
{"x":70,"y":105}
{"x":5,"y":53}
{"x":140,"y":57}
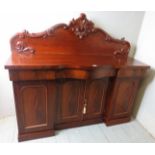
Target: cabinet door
{"x":69,"y":100}
{"x":95,"y":95}
{"x":123,"y":97}
{"x":34,"y":105}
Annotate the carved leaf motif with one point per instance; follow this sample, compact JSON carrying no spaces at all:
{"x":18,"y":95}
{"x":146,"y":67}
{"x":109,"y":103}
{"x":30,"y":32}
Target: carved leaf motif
{"x":82,"y":26}
{"x":22,"y":48}
{"x":120,"y":53}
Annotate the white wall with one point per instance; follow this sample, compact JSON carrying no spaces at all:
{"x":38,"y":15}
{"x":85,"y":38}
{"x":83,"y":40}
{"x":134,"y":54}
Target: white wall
{"x":146,"y":53}
{"x":118,"y":24}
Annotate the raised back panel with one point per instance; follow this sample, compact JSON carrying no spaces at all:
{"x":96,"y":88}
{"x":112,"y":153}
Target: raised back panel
{"x":34,"y":100}
{"x":79,"y":37}
{"x":125,"y":93}
{"x":69,"y":102}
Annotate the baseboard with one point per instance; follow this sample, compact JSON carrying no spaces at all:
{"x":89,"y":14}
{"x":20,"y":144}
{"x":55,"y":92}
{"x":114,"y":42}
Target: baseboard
{"x":116,"y":121}
{"x":77,"y":124}
{"x":35,"y":135}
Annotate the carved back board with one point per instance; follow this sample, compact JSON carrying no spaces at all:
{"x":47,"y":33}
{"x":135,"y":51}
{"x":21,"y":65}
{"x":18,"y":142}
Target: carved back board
{"x":79,"y":38}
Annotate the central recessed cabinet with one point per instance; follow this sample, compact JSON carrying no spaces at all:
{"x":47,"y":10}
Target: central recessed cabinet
{"x":80,"y":99}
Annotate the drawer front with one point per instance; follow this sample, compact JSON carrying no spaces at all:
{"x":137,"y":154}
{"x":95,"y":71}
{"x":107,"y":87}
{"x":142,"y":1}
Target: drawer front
{"x":103,"y":72}
{"x":72,"y":73}
{"x":31,"y":75}
{"x":96,"y":73}
{"x":131,"y":72}
{"x":25,"y":75}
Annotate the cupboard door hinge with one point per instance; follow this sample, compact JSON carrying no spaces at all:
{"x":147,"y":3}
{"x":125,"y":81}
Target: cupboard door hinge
{"x":85,"y":106}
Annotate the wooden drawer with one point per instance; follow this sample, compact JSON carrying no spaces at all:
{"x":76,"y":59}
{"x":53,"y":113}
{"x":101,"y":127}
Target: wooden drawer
{"x":97,"y":73}
{"x":31,"y":75}
{"x":131,"y":72}
{"x":102,"y":72}
{"x":72,"y":73}
{"x":21,"y":75}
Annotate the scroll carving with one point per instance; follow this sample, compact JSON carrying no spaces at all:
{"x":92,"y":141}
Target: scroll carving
{"x":21,"y":47}
{"x":49,"y":32}
{"x":26,"y":34}
{"x":82,"y":26}
{"x":120,"y":53}
{"x":79,"y":36}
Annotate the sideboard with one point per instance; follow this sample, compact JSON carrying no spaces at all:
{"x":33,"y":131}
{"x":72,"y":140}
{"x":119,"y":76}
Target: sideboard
{"x":71,"y":75}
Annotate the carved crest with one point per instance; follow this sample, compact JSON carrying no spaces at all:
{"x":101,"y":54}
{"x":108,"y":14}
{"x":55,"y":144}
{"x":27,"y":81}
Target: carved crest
{"x":63,"y":38}
{"x":81,"y":26}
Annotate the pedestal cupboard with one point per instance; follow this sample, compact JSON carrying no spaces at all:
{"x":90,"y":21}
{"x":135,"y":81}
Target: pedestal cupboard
{"x":71,"y":75}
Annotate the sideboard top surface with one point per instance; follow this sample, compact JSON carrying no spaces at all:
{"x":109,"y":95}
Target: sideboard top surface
{"x":69,"y":61}
{"x":76,"y":45}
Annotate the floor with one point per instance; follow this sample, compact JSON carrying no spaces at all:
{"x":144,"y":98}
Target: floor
{"x":129,"y":132}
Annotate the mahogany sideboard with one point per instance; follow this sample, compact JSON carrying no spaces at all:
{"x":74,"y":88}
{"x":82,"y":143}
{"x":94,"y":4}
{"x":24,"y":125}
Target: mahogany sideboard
{"x":71,"y":75}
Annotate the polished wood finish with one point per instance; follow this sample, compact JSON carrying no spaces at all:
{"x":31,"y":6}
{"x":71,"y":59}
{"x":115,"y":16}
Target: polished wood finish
{"x":95,"y":98}
{"x":71,"y":75}
{"x":69,"y":101}
{"x":35,"y":102}
{"x":121,"y":100}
